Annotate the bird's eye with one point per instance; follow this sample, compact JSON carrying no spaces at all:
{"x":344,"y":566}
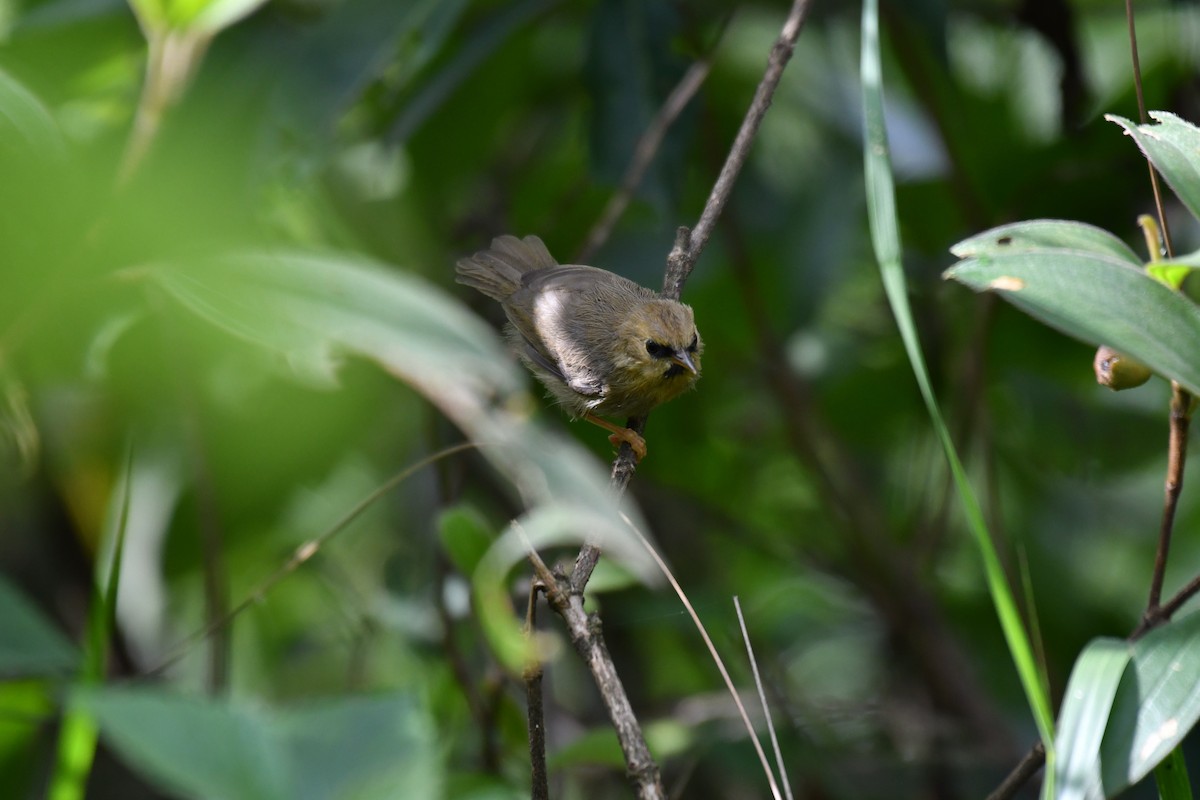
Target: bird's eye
{"x":657,"y":350}
{"x":695,"y":343}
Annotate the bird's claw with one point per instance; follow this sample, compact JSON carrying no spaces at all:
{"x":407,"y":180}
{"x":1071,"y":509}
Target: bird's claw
{"x":632,"y":438}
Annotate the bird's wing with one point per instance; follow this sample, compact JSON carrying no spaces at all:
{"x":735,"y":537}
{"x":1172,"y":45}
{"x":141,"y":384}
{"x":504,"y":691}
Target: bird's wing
{"x":550,"y":312}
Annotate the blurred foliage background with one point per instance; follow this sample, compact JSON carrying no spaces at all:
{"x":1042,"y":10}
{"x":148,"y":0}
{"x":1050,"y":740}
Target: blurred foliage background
{"x":802,"y":476}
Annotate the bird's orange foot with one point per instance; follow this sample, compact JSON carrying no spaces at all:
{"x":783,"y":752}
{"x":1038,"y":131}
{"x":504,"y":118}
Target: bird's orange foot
{"x":619,"y":434}
{"x":633,"y":439}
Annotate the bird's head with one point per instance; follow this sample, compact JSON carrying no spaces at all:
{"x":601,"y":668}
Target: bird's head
{"x":660,"y":349}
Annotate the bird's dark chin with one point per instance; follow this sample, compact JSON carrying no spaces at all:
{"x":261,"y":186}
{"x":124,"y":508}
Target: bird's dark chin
{"x":674,"y":371}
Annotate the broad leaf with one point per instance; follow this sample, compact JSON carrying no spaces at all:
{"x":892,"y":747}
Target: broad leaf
{"x":1045,"y":234}
{"x":360,"y":747}
{"x":1157,"y":704}
{"x":1173,"y":146}
{"x":313,"y":311}
{"x":29,"y":643}
{"x":1084,"y":716}
{"x":1098,"y":299}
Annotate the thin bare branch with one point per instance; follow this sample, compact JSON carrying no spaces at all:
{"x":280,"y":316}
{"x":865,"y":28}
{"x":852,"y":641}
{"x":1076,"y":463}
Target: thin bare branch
{"x":643,"y":155}
{"x":688,"y":247}
{"x":535,"y":714}
{"x":1180,"y":420}
{"x":1144,"y":118}
{"x":1029,"y":766}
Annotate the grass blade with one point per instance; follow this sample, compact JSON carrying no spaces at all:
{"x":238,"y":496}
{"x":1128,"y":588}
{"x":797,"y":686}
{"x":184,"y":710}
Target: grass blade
{"x":885,"y":236}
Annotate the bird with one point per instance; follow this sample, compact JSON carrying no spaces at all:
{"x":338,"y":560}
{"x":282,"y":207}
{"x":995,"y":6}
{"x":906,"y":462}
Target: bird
{"x":602,"y":345}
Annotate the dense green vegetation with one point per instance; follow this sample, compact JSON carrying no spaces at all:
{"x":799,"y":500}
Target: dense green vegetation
{"x":228,"y":316}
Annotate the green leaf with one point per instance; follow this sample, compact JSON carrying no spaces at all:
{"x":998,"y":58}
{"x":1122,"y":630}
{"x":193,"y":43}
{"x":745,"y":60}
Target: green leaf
{"x":26,"y":126}
{"x":1157,"y":704}
{"x":1099,"y":300}
{"x":191,"y":745}
{"x":1171,"y":776}
{"x":29,"y":643}
{"x":313,"y":311}
{"x":206,"y":17}
{"x":1173,"y":147}
{"x":465,"y":535}
{"x":1174,"y":271}
{"x":358,"y":747}
{"x":1084,"y":716}
{"x":1045,"y":234}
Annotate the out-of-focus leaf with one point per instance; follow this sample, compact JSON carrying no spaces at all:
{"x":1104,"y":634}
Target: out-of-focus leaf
{"x":465,"y":535}
{"x":360,"y":747}
{"x":1157,"y":704}
{"x":1173,"y":146}
{"x":364,"y":747}
{"x":1174,"y":271}
{"x":665,"y":737}
{"x":206,"y":17}
{"x":29,"y":643}
{"x":1044,"y":234}
{"x":26,"y":127}
{"x":1099,"y":300}
{"x":312,"y":311}
{"x":1084,"y":717}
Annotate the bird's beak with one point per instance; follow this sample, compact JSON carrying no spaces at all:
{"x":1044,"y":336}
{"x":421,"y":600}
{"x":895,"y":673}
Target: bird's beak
{"x":684,"y":359}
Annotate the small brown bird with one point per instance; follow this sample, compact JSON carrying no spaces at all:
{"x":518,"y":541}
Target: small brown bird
{"x":599,"y":342}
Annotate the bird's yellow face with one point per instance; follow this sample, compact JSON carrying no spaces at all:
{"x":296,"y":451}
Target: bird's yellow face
{"x":659,"y":354}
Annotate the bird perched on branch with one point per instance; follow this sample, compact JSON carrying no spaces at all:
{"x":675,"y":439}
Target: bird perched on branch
{"x":600,"y":343}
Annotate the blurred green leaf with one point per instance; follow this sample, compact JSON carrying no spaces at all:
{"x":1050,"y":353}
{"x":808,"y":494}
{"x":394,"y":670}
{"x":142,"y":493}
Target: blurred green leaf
{"x":1157,"y":703}
{"x":357,"y":747}
{"x":1173,"y":146}
{"x":1099,"y":300}
{"x":1045,"y":234}
{"x":26,"y":126}
{"x":29,"y":643}
{"x":1084,"y":716}
{"x":465,"y":535}
{"x":193,"y":16}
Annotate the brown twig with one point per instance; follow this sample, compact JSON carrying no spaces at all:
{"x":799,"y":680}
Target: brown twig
{"x":1181,"y":414}
{"x":534,"y":708}
{"x":588,"y":640}
{"x":688,"y":246}
{"x":565,"y":595}
{"x":1144,"y":117}
{"x":1026,"y":769}
{"x":643,"y":155}
{"x":689,"y":243}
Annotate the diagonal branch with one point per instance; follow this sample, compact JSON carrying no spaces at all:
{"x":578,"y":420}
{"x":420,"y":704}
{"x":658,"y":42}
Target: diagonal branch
{"x":565,"y":595}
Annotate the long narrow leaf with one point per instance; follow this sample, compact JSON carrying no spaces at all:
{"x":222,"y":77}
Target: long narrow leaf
{"x":886,"y":238}
{"x":78,"y":734}
{"x":1084,"y":716}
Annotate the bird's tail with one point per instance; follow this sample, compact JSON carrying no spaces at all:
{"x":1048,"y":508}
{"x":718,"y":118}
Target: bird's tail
{"x":497,"y":271}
